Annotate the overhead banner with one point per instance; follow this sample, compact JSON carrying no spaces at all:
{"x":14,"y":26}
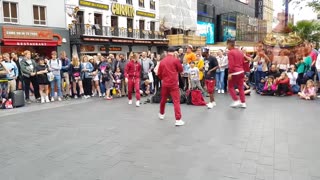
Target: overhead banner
{"x":259,"y":9}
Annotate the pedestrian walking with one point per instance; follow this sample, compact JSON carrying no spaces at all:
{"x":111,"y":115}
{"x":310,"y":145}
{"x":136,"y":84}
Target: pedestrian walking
{"x":236,"y":75}
{"x":169,"y":69}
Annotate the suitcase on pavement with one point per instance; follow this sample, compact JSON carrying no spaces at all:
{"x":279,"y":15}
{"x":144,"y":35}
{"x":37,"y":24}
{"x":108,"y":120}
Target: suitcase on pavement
{"x":17,"y":98}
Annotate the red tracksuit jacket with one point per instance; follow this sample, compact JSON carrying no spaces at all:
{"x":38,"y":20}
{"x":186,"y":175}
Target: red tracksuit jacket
{"x":132,"y":70}
{"x":169,"y":70}
{"x":236,"y":63}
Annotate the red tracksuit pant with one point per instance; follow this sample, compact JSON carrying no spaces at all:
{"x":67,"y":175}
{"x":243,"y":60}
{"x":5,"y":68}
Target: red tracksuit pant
{"x":175,"y":94}
{"x":134,"y":83}
{"x":237,"y":80}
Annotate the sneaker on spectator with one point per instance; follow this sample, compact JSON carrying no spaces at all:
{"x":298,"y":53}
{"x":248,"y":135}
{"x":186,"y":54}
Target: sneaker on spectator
{"x":161,"y":116}
{"x":318,"y":96}
{"x":42,"y":100}
{"x":75,"y":96}
{"x":28,"y":101}
{"x":52,"y":99}
{"x":59,"y":99}
{"x":219,"y":91}
{"x":236,"y":104}
{"x":222,"y":91}
{"x":47,"y":99}
{"x":179,"y":123}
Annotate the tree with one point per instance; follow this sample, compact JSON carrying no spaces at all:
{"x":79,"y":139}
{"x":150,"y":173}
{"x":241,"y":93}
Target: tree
{"x":315,"y":4}
{"x":307,"y":30}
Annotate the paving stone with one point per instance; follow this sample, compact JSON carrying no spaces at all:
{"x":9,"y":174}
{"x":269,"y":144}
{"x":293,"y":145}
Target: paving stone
{"x":92,"y":139}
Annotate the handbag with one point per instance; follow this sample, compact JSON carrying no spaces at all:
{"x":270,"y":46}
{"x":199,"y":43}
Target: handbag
{"x":50,"y":76}
{"x":150,"y":77}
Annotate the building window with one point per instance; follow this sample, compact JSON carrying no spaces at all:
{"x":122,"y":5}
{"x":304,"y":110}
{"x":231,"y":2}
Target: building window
{"x":129,"y":2}
{"x":152,"y":4}
{"x":10,"y":12}
{"x":39,"y":15}
{"x":141,"y":3}
{"x":152,"y":26}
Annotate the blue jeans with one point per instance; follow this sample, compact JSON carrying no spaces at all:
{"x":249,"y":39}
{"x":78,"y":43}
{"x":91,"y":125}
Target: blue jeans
{"x":220,"y":80}
{"x":56,"y":80}
{"x":257,"y":77}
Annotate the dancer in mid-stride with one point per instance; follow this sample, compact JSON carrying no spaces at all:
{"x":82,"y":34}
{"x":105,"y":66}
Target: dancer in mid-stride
{"x":132,"y":77}
{"x":236,"y":75}
{"x":169,"y":70}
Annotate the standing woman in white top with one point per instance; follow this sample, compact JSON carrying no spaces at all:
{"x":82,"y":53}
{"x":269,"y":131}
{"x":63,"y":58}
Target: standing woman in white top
{"x":220,"y":73}
{"x":282,"y":62}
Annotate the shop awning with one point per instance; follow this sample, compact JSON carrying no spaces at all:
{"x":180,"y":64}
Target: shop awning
{"x":16,"y":42}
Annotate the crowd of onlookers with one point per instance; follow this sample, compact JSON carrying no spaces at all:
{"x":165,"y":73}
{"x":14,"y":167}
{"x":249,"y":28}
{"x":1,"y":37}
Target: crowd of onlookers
{"x":58,"y":77}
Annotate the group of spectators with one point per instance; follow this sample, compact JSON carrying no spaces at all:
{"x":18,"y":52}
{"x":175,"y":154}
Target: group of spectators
{"x":59,"y":78}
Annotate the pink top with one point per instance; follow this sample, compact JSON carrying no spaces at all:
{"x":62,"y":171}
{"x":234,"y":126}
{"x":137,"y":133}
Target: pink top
{"x":309,"y":91}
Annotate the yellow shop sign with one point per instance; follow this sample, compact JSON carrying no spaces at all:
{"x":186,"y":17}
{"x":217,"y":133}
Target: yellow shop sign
{"x":93,"y":5}
{"x":145,"y":14}
{"x":122,"y":10}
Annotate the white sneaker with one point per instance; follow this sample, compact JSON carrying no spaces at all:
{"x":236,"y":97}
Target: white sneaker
{"x":214,"y":104}
{"x":222,"y":91}
{"x":236,"y":104}
{"x":75,"y":96}
{"x":138,"y":103}
{"x":130,"y":102}
{"x":42,"y":100}
{"x":318,"y":96}
{"x":59,"y":99}
{"x":52,"y":99}
{"x":161,"y":116}
{"x":47,"y":99}
{"x":219,"y":91}
{"x":179,"y":123}
{"x":211,"y":105}
{"x":243,"y":105}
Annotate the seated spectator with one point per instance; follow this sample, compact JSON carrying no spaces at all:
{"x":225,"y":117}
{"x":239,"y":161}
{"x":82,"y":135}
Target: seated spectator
{"x":246,"y":87}
{"x":260,"y":85}
{"x":270,"y":87}
{"x":308,"y":92}
{"x":293,"y":76}
{"x":283,"y":85}
{"x":274,"y":71}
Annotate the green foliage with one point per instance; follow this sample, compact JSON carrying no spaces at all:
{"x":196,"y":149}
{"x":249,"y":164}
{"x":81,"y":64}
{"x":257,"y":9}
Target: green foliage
{"x":315,"y":4}
{"x":307,"y":30}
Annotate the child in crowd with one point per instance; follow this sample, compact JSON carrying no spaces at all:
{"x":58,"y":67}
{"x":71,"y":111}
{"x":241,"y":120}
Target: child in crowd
{"x":246,"y":87}
{"x":269,"y":87}
{"x":42,"y":70}
{"x":118,"y":78}
{"x":185,"y":74}
{"x":308,"y":92}
{"x":194,"y":78}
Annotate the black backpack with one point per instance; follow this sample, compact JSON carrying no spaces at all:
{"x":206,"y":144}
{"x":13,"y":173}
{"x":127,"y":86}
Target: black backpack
{"x":157,"y":97}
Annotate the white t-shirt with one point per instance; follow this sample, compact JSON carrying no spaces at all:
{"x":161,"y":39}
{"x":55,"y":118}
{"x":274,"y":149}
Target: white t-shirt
{"x":293,"y":77}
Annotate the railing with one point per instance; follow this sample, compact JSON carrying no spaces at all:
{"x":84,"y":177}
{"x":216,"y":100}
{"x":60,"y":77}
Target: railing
{"x":77,"y":30}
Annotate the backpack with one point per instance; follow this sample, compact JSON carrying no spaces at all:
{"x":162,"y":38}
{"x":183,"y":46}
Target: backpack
{"x":157,"y":97}
{"x":195,"y":98}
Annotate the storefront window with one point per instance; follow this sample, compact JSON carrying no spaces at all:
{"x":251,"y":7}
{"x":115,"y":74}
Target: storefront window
{"x":141,"y":3}
{"x":152,"y":4}
{"x":10,"y":12}
{"x":39,"y":15}
{"x":129,"y":2}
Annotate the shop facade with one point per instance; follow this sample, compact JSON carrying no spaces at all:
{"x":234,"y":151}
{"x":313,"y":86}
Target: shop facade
{"x":37,"y":26}
{"x":114,"y":27}
{"x":42,"y":41}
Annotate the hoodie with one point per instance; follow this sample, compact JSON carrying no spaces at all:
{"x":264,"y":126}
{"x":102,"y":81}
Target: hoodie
{"x":169,"y":70}
{"x":132,"y":70}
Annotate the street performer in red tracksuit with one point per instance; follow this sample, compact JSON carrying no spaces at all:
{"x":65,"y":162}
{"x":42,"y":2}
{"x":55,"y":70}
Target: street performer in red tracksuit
{"x":236,"y":75}
{"x":169,"y":70}
{"x":132,"y":74}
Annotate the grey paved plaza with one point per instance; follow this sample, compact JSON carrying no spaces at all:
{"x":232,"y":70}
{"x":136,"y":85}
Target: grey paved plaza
{"x":273,"y":139}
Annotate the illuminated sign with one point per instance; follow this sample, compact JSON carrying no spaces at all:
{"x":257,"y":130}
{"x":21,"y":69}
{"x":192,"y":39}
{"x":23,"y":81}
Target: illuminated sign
{"x":145,"y":14}
{"x":93,"y":5}
{"x":26,"y":33}
{"x":207,"y":30}
{"x":102,"y":48}
{"x":122,"y":10}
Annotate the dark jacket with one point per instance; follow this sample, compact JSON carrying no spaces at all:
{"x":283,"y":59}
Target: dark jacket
{"x":25,"y":71}
{"x":169,"y":70}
